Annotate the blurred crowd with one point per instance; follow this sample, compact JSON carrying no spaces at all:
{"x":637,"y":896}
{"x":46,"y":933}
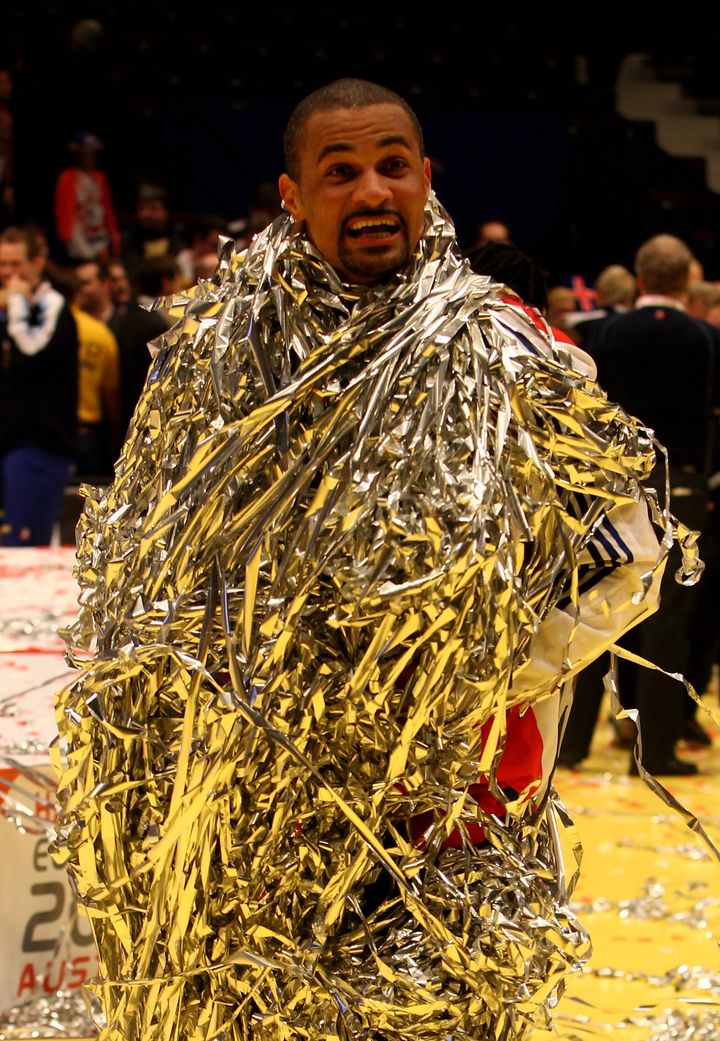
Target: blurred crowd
{"x":653,"y":335}
{"x":77,"y":311}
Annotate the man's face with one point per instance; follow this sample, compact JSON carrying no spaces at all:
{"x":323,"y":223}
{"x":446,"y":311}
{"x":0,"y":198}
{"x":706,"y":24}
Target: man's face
{"x":207,"y":241}
{"x":92,"y":292}
{"x":14,"y":262}
{"x":119,"y":284}
{"x":361,"y":189}
{"x":152,"y":214}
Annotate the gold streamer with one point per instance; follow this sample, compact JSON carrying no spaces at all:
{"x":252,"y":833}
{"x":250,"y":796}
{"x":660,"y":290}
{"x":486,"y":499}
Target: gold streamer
{"x":338,"y":521}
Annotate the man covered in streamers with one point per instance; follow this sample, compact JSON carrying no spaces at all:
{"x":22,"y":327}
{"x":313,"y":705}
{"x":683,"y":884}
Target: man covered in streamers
{"x":368,"y":521}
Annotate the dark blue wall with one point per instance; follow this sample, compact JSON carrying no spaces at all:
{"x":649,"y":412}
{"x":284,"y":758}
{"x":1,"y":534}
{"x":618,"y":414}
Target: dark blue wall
{"x":486,"y":166}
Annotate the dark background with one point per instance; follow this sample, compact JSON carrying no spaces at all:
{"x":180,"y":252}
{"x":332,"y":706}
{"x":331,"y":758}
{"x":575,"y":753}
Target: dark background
{"x":520,"y":125}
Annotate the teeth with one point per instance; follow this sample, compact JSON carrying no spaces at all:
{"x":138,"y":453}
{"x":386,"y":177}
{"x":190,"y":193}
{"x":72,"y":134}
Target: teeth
{"x":377,"y":222}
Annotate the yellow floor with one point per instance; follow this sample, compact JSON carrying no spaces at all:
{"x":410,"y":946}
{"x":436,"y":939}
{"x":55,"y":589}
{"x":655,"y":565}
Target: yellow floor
{"x":650,"y":896}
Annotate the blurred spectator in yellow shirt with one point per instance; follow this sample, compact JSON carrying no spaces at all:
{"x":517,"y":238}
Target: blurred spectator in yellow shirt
{"x":99,"y":396}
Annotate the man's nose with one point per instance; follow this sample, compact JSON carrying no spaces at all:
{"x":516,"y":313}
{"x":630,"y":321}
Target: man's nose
{"x":372,"y":189}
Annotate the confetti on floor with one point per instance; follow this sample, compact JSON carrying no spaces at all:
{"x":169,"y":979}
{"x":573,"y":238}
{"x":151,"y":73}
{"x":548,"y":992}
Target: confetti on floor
{"x":649,"y":893}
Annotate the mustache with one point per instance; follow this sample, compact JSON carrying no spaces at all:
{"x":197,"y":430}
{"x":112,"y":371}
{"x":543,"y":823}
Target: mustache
{"x":386,"y":211}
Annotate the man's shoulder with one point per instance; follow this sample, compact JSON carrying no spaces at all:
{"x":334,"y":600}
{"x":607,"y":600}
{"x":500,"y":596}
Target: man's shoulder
{"x":659,"y":312}
{"x":136,"y":317}
{"x":66,"y":177}
{"x":514,"y":319}
{"x":92,"y":329}
{"x":45,"y":293}
{"x":656,"y":321}
{"x":584,"y":319}
{"x":48,"y":304}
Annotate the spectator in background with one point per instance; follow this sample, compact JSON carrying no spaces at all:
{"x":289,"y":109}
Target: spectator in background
{"x":152,"y":235}
{"x":702,"y":297}
{"x":38,"y":392}
{"x":713,"y":315}
{"x":205,"y":266}
{"x":99,"y":401}
{"x":208,"y":229}
{"x":53,"y":272}
{"x":134,"y":327}
{"x":92,"y":293}
{"x":561,"y":304}
{"x":662,"y":365}
{"x":104,"y":293}
{"x":696,"y":272}
{"x":156,"y":278}
{"x":510,"y":266}
{"x":84,"y":214}
{"x":493,"y":232}
{"x":527,"y":284}
{"x":615,"y":290}
{"x":119,"y":287}
{"x":7,"y":150}
{"x":266,"y":205}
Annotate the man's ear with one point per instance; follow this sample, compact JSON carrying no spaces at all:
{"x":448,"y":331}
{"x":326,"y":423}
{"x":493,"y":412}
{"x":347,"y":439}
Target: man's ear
{"x":38,"y":265}
{"x":427,"y":171}
{"x":291,"y":196}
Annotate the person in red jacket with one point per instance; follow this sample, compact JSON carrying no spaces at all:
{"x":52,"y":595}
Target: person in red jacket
{"x":84,"y":214}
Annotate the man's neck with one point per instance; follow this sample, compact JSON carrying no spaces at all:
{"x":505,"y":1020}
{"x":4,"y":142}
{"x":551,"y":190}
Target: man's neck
{"x":105,"y":312}
{"x":102,"y":311}
{"x":661,"y":300}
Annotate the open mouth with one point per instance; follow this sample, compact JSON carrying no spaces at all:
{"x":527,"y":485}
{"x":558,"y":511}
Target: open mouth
{"x":382,"y":226}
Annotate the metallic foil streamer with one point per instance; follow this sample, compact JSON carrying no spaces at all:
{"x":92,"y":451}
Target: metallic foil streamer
{"x":683,"y":978}
{"x":41,"y":628}
{"x":652,"y":905}
{"x":677,"y":1026}
{"x":308,"y":601}
{"x":695,"y":1017}
{"x":18,"y":755}
{"x":64,"y":1014}
{"x":610,"y":683}
{"x":37,"y":597}
{"x":686,"y":851}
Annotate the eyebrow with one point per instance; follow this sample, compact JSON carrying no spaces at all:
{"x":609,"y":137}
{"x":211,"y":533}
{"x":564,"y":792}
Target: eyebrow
{"x":344,"y":146}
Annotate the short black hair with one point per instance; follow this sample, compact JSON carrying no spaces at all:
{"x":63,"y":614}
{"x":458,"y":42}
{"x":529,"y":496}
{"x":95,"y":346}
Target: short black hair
{"x":344,"y":93}
{"x":204,"y":223}
{"x":148,"y":276}
{"x":101,"y":266}
{"x":508,"y":264}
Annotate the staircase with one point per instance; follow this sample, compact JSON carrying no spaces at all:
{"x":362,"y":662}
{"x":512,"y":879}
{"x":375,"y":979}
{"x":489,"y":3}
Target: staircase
{"x":681,"y":128}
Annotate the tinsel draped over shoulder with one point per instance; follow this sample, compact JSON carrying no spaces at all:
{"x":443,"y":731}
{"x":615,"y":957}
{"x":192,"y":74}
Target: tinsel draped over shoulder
{"x":308,"y":602}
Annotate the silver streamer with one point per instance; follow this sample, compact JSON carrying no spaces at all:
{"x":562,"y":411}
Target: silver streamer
{"x":308,"y":602}
{"x":62,"y":1015}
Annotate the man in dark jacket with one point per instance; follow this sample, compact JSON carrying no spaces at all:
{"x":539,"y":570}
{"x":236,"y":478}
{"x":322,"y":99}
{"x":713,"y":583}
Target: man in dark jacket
{"x":662,"y":365}
{"x":38,"y":392}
